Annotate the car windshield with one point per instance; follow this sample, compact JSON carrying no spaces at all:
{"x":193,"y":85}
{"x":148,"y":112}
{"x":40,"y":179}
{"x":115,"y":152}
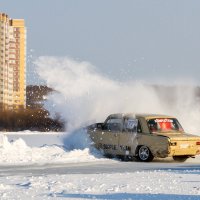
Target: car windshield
{"x":164,"y":125}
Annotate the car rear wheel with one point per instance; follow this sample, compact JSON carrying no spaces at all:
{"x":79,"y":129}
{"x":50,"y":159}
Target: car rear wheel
{"x":144,"y":154}
{"x":180,"y":158}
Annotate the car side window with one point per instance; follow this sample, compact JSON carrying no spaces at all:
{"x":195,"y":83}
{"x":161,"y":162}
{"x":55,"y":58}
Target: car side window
{"x":130,"y":125}
{"x":113,"y":124}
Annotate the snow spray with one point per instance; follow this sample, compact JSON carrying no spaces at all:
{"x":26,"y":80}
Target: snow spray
{"x":85,"y":96}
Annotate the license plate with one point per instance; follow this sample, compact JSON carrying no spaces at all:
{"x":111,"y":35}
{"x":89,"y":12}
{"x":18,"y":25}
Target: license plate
{"x":184,"y":146}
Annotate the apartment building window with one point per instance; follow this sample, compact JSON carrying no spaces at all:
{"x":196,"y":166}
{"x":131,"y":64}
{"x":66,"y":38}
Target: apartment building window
{"x":12,"y":61}
{"x":12,"y":56}
{"x":12,"y":50}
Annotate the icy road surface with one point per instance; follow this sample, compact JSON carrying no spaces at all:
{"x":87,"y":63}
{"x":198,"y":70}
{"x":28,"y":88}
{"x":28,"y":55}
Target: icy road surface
{"x":100,"y":166}
{"x":102,"y":180}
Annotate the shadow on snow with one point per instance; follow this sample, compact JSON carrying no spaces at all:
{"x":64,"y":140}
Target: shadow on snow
{"x":128,"y":196}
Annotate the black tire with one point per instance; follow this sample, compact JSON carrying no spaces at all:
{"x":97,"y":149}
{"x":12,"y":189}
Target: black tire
{"x":108,"y":155}
{"x":126,"y":158}
{"x":144,"y":154}
{"x":180,"y":158}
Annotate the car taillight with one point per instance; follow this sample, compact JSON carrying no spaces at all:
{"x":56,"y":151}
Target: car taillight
{"x":198,"y":143}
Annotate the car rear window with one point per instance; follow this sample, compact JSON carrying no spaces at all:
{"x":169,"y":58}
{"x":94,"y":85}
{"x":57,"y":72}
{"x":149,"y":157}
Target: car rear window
{"x":164,"y":125}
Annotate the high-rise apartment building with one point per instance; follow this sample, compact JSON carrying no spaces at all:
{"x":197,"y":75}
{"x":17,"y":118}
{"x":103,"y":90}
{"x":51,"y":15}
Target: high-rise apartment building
{"x":12,"y":63}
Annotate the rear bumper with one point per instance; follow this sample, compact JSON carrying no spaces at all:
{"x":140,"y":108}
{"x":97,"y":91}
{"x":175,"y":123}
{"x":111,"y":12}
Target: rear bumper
{"x":177,"y":151}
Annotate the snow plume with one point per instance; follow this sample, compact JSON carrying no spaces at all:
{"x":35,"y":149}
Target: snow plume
{"x":86,"y":96}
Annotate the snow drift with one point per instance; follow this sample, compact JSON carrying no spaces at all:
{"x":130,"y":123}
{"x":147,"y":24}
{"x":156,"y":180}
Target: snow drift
{"x":17,"y":152}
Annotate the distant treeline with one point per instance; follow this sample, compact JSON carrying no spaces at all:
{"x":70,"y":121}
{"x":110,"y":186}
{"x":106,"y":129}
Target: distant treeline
{"x":34,"y":117}
{"x":29,"y":119}
{"x":36,"y":95}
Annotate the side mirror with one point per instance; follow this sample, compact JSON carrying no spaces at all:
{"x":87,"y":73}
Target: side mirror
{"x":99,"y":126}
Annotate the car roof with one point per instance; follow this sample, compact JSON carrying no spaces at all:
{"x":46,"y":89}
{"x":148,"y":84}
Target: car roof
{"x":146,"y":116}
{"x":150,"y":116}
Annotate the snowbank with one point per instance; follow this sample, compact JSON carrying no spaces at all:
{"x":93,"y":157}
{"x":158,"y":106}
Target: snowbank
{"x":18,"y":152}
{"x":35,"y":138}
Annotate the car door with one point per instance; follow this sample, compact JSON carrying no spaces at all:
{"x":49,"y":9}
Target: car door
{"x":109,"y":137}
{"x":128,"y":137}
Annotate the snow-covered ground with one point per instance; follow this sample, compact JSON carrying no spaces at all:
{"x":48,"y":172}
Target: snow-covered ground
{"x":142,"y":184}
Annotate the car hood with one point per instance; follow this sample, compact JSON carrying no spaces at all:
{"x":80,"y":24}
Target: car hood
{"x":180,"y":136}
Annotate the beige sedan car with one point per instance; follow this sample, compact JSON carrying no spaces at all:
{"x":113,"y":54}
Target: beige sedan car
{"x":144,"y":137}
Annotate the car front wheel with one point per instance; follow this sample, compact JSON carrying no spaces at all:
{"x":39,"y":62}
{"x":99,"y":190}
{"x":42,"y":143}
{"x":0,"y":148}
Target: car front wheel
{"x":144,"y":154}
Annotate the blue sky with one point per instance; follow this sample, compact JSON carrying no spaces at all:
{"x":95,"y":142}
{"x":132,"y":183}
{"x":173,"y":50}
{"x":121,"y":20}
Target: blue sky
{"x":149,"y":40}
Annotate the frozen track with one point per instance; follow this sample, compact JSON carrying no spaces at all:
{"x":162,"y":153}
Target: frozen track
{"x":109,"y":166}
{"x":102,"y":179}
